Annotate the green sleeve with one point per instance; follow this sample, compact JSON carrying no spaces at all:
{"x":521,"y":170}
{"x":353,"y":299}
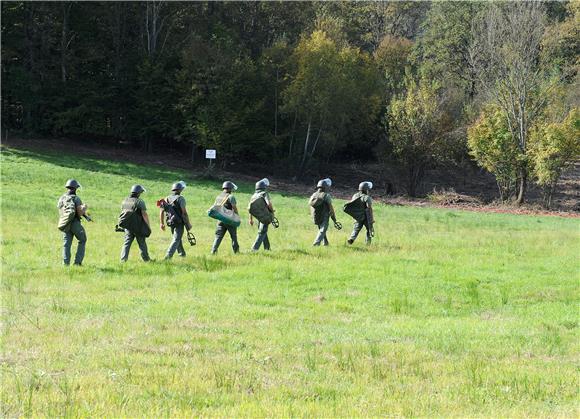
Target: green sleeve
{"x":233,"y":200}
{"x":142,"y":205}
{"x":182,"y":202}
{"x":78,"y":201}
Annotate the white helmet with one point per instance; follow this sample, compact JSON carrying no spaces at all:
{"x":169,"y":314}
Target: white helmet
{"x":324,"y":183}
{"x":229,"y":185}
{"x":365,"y":186}
{"x":262,"y":184}
{"x":178,"y":186}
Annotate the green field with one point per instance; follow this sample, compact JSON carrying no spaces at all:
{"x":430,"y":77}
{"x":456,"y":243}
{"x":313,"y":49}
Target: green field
{"x":448,"y":313}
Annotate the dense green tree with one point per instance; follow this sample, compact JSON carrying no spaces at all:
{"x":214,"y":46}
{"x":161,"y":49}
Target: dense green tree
{"x":443,"y":48}
{"x":416,"y":130}
{"x":561,"y":42}
{"x":392,"y":58}
{"x":331,"y":89}
{"x":275,"y":66}
{"x":366,"y":23}
{"x":494,"y":148}
{"x":553,"y":148}
{"x":296,"y":83}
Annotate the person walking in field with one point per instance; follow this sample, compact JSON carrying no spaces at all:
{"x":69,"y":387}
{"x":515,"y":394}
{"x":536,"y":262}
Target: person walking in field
{"x":135,"y":220}
{"x":228,"y":201}
{"x":262,"y":209}
{"x":177,"y":219}
{"x":360,"y":208}
{"x":322,"y":210}
{"x":71,"y":209}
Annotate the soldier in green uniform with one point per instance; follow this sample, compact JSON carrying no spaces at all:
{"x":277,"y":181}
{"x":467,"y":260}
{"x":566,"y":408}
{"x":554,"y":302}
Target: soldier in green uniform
{"x":366,"y":203}
{"x":229,"y":202}
{"x":178,"y":202}
{"x":135,"y":202}
{"x":322,"y":210}
{"x":75,"y":228}
{"x":262,"y":238}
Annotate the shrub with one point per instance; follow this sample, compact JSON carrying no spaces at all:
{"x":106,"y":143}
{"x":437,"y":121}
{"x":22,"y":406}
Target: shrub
{"x":494,"y":148}
{"x":553,"y":148}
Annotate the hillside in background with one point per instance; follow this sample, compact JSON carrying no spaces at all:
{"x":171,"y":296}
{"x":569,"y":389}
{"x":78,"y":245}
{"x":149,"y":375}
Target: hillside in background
{"x":467,"y":187}
{"x":416,"y":92}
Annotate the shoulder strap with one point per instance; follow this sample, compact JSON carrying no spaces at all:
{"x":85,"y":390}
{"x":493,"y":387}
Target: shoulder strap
{"x":225,"y":199}
{"x":174,"y":201}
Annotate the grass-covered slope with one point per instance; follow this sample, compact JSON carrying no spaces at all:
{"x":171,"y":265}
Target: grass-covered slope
{"x":447,"y":313}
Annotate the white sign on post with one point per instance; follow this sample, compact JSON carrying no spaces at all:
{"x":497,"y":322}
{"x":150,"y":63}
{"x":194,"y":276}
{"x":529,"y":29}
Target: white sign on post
{"x":210,"y":154}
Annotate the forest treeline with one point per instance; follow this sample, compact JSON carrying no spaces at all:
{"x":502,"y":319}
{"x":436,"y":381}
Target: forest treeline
{"x":417,"y":84}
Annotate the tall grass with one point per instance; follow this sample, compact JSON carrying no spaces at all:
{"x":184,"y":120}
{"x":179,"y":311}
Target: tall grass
{"x":448,"y":313}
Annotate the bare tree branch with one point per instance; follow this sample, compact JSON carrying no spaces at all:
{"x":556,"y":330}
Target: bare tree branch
{"x":505,"y":57}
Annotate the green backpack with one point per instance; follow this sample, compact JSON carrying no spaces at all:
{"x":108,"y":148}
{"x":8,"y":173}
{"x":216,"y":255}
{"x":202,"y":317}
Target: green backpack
{"x":259,"y":209}
{"x":317,"y":205}
{"x":131,"y":218}
{"x":317,"y":199}
{"x":67,"y":212}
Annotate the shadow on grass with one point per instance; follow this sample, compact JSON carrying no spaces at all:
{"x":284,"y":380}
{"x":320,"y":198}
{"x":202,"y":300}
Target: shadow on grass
{"x":141,"y":171}
{"x":208,"y":263}
{"x":365,"y":249}
{"x":110,"y":269}
{"x":292,"y":254}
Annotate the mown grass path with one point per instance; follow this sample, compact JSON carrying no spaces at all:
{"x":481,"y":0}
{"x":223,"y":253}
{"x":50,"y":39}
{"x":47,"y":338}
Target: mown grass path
{"x":448,"y":313}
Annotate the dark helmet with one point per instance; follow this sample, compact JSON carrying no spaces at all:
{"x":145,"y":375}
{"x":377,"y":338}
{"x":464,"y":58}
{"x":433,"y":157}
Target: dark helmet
{"x":229,"y":185}
{"x":262,"y":184}
{"x":365,"y":186}
{"x":324,"y":183}
{"x":178,"y":186}
{"x":137,"y":189}
{"x":72,"y":184}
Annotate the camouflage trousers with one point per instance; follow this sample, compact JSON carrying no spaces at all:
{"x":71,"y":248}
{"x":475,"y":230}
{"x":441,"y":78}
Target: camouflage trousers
{"x":357,"y":229}
{"x":77,"y":231}
{"x":176,"y":242}
{"x":220,"y":233}
{"x":129,"y":237}
{"x":262,"y":237}
{"x":322,"y":230}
